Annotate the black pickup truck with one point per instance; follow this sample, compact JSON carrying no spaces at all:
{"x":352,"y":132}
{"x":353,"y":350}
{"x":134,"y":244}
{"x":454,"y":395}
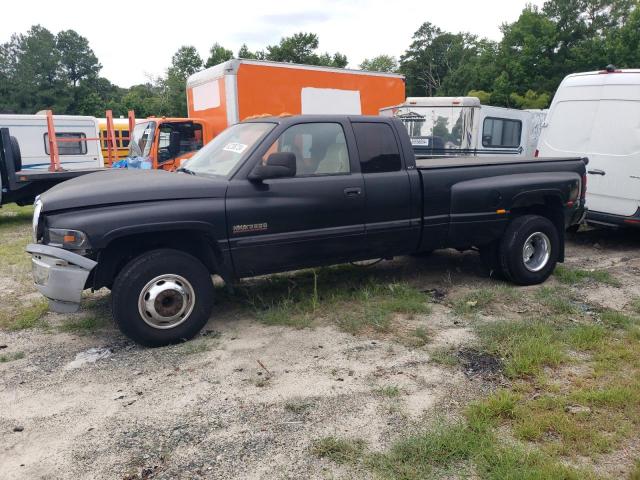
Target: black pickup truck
{"x":284,"y":193}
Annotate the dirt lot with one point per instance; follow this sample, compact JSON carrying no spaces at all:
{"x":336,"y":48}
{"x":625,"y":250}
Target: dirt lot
{"x":414,"y":368}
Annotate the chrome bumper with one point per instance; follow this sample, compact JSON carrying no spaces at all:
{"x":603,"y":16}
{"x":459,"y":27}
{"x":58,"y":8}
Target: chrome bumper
{"x":59,"y":275}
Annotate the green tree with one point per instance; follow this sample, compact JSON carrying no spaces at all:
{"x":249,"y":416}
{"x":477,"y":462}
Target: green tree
{"x":77,"y":63}
{"x":531,"y":99}
{"x":185,"y":62}
{"x":484,"y":97}
{"x":244,"y":52}
{"x":381,"y":63}
{"x":432,"y":56}
{"x":301,"y":48}
{"x":623,"y":44}
{"x":218,"y":54}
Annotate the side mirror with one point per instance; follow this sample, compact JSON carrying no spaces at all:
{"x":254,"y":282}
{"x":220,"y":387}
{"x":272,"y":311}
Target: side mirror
{"x":279,"y":165}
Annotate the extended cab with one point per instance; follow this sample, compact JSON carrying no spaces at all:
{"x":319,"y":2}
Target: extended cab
{"x":276,"y":194}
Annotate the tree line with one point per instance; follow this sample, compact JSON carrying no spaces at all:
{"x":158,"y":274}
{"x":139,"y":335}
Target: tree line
{"x":40,"y":69}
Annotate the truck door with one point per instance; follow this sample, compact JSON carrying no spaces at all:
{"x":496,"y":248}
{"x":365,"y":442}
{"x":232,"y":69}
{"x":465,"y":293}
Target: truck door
{"x":388,"y":193}
{"x":316,"y":217}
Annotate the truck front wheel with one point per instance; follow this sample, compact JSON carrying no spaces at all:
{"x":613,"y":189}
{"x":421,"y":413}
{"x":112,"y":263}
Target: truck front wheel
{"x":529,"y":250}
{"x":162,"y":297}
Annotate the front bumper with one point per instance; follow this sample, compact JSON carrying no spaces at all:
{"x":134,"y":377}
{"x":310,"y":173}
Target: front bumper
{"x":60,"y":275}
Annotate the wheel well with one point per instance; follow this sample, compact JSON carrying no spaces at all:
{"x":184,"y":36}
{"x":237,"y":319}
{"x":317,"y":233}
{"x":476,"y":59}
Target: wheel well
{"x":120,"y":251}
{"x":550,"y":207}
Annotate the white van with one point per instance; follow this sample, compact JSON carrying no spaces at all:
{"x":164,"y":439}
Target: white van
{"x":33,"y":139}
{"x":448,"y":126}
{"x":597,"y":115}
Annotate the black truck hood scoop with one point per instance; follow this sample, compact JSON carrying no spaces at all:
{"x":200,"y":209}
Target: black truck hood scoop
{"x":129,"y":186}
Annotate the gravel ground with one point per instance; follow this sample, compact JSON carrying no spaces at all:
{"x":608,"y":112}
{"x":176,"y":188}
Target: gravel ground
{"x":246,"y":400}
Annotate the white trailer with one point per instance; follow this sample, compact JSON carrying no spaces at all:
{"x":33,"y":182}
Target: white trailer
{"x":32,"y":136}
{"x":452,"y":126}
{"x":597,"y":115}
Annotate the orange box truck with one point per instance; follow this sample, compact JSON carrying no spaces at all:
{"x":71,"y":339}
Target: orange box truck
{"x":237,"y":89}
{"x":234,"y":90}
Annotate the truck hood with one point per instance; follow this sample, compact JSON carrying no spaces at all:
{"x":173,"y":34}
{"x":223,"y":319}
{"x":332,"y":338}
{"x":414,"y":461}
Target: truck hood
{"x":129,"y":186}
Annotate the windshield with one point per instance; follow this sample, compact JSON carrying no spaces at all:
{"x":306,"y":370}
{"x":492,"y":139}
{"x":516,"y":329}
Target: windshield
{"x":222,"y":154}
{"x":438,"y":128}
{"x":142,"y":139}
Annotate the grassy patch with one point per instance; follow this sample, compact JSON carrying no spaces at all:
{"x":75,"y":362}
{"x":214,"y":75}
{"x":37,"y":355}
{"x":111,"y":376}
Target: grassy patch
{"x":10,"y":357}
{"x":12,"y":216}
{"x":616,"y":319}
{"x":483,"y":298}
{"x":444,"y":356}
{"x":87,"y":324}
{"x":195,"y":346}
{"x":353,"y":298}
{"x":389,"y":391}
{"x":575,"y":276}
{"x":586,"y":337}
{"x":23,"y":317}
{"x":474,"y":301}
{"x":558,"y":301}
{"x":297,"y":406}
{"x":420,"y":337}
{"x":525,"y":346}
{"x":338,"y":450}
{"x":464,"y":449}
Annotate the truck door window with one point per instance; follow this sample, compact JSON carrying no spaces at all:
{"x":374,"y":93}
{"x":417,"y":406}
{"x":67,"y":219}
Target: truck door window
{"x":501,"y":132}
{"x":377,"y":148}
{"x":176,"y":139}
{"x":320,"y":148}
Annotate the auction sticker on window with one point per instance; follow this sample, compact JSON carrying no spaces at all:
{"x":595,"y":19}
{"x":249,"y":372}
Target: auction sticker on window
{"x":235,"y":147}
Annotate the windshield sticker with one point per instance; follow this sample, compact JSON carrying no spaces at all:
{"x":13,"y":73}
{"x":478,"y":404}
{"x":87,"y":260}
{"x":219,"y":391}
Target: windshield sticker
{"x":235,"y":147}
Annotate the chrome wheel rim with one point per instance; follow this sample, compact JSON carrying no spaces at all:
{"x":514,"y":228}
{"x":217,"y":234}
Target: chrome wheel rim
{"x":166,"y":301}
{"x":536,"y":251}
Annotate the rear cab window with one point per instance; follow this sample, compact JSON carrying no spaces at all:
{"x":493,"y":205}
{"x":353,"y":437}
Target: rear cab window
{"x":377,"y":147}
{"x":501,"y":132}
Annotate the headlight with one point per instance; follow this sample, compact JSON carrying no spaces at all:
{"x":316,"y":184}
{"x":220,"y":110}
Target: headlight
{"x":37,"y":209}
{"x":69,"y":239}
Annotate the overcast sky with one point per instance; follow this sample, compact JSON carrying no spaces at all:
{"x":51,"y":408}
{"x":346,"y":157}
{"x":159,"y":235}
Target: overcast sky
{"x":136,"y":39}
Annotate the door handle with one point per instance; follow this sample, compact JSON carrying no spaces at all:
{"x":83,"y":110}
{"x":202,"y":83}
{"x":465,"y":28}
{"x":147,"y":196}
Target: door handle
{"x":596,"y":172}
{"x":352,"y":192}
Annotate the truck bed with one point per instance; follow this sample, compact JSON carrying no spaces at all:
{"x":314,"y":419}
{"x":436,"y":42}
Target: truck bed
{"x":453,"y":162}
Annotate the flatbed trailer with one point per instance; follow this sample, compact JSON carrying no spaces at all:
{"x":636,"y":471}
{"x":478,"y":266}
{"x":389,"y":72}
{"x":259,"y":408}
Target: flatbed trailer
{"x":23,"y":186}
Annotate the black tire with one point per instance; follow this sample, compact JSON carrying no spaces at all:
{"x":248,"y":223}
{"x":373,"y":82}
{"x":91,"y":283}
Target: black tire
{"x":139,"y":273}
{"x":17,"y":156}
{"x":512,"y":248}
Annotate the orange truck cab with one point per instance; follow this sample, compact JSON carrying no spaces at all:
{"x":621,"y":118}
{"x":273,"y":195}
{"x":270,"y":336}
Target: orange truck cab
{"x":237,"y":89}
{"x":166,"y":142}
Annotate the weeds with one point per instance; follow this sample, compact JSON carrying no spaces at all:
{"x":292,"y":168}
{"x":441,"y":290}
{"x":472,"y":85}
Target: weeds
{"x":10,"y":357}
{"x":297,"y":406}
{"x":559,"y":301}
{"x":444,"y":356}
{"x":338,"y":450}
{"x":25,"y":317}
{"x":575,"y":276}
{"x":85,"y":324}
{"x":350,"y":297}
{"x":389,"y":391}
{"x":525,"y":346}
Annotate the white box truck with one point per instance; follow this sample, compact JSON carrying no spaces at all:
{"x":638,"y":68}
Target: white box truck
{"x":32,"y":135}
{"x":597,"y":115}
{"x":452,"y":126}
